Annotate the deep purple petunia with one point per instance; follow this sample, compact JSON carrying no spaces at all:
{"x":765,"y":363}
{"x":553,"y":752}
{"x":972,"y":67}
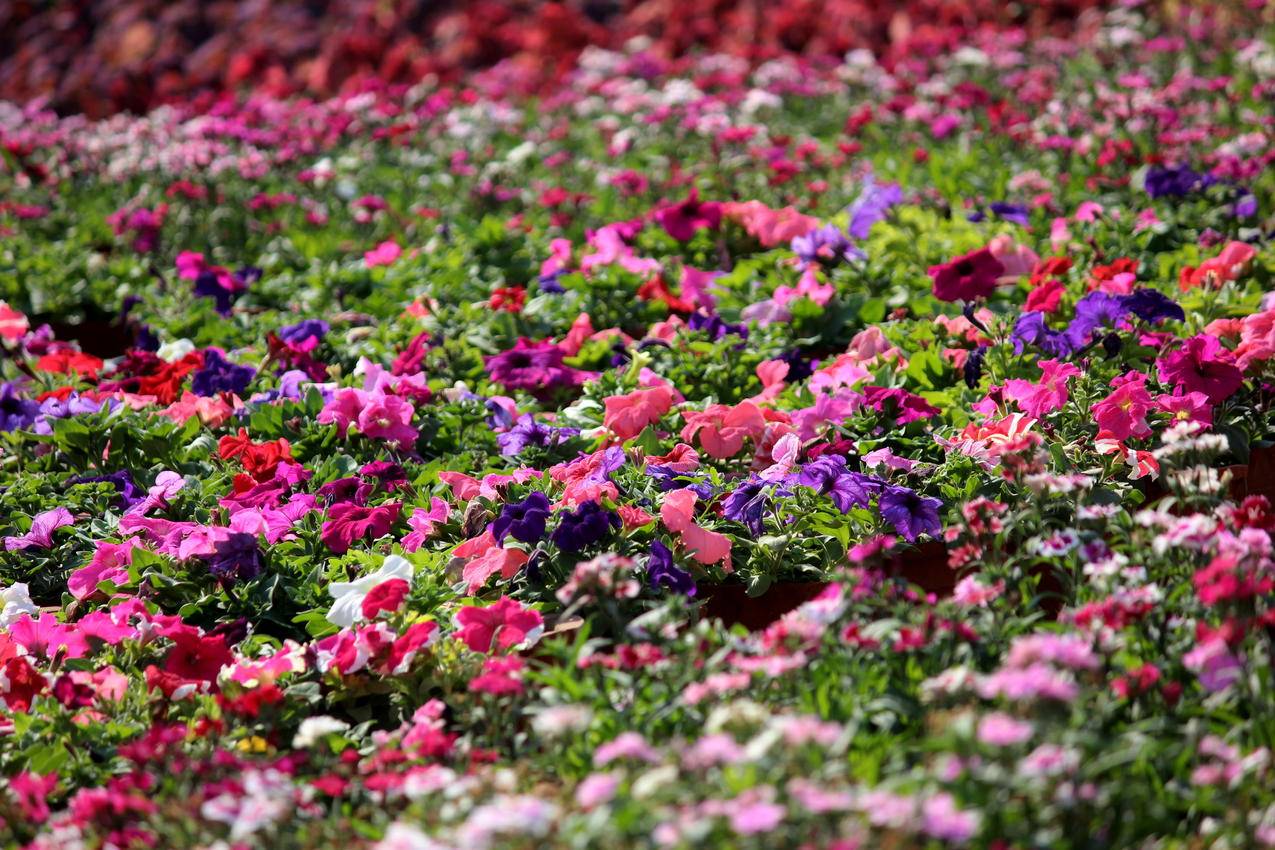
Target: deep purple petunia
{"x":588,"y":524}
{"x":533,"y":366}
{"x":237,"y":558}
{"x":524,"y":521}
{"x":662,"y":572}
{"x":219,"y":375}
{"x":910,"y":513}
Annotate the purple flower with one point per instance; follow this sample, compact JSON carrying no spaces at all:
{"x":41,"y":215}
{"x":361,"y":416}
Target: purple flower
{"x":120,"y":480}
{"x":524,"y":521}
{"x":748,"y":504}
{"x":871,"y":206}
{"x":237,"y":558}
{"x":715,"y":326}
{"x":533,"y":366}
{"x":588,"y":524}
{"x":827,"y":244}
{"x":303,"y":331}
{"x":662,"y":572}
{"x":1030,"y":329}
{"x":527,"y":432}
{"x":219,"y":375}
{"x":1096,"y":311}
{"x":848,"y":490}
{"x":1174,"y":182}
{"x":1152,"y":305}
{"x":16,"y":412}
{"x":42,"y":527}
{"x":1010,"y":212}
{"x":911,"y":514}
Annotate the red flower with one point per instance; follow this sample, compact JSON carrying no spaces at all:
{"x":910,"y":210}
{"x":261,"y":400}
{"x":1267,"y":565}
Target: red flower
{"x":22,"y":683}
{"x":967,"y":277}
{"x":196,"y":656}
{"x":508,"y":298}
{"x":386,"y":596}
{"x":259,"y":459}
{"x":76,"y":362}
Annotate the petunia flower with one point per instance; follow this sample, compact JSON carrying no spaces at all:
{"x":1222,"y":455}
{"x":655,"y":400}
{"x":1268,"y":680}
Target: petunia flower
{"x":347,"y":609}
{"x":503,"y":625}
{"x":40,"y":536}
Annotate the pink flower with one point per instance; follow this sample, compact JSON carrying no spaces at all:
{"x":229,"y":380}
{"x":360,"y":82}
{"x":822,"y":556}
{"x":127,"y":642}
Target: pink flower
{"x":1018,"y":260}
{"x":108,"y":564}
{"x":627,"y":745}
{"x":384,"y":254}
{"x":500,"y":677}
{"x":1202,"y":365}
{"x":388,"y":418}
{"x":681,"y":220}
{"x":1001,"y":730}
{"x":1187,"y":407}
{"x":423,"y":523}
{"x":1050,"y":394}
{"x":13,"y":324}
{"x":1124,"y":412}
{"x":707,"y":547}
{"x":506,"y":623}
{"x":770,"y":227}
{"x":596,"y":789}
{"x":722,"y":429}
{"x":627,"y":415}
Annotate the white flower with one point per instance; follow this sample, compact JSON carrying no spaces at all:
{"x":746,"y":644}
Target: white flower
{"x":173,"y":351}
{"x":15,"y":601}
{"x":349,"y":595}
{"x":314,"y":728}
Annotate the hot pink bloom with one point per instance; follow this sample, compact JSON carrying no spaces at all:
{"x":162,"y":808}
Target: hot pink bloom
{"x":1050,"y":394}
{"x":507,"y":623}
{"x":681,"y":220}
{"x":389,"y":418}
{"x":42,"y":527}
{"x":1202,"y":365}
{"x":1124,"y":412}
{"x":382,"y":255}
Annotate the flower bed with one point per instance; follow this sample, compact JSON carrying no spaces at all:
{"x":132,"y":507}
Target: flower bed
{"x":816,"y":455}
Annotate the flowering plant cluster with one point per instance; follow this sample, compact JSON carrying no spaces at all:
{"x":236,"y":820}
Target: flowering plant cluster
{"x":399,"y":470}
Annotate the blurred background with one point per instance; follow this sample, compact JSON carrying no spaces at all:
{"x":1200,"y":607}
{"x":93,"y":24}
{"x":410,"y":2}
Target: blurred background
{"x":104,"y":56}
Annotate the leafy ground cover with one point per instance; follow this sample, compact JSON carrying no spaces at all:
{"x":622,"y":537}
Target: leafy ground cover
{"x":369,"y":465}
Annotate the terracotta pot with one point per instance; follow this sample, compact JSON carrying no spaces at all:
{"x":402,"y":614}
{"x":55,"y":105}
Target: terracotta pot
{"x":1261,"y":472}
{"x":732,"y":605}
{"x":925,"y":565}
{"x":99,"y":337}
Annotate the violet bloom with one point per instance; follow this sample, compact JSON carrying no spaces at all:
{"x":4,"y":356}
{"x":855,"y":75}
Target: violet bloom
{"x":122,"y":482}
{"x":1096,"y":311}
{"x":527,"y":432}
{"x":533,"y":366}
{"x":662,"y":572}
{"x":910,"y":513}
{"x":715,"y":326}
{"x":72,"y":405}
{"x":871,"y":206}
{"x":303,"y":331}
{"x":749,"y":502}
{"x":219,"y":375}
{"x":588,"y":524}
{"x":827,"y":244}
{"x":1152,"y":305}
{"x":1030,"y":329}
{"x":1010,"y":212}
{"x":829,"y":476}
{"x":41,"y":534}
{"x":16,"y":412}
{"x":1174,"y":182}
{"x":524,"y":521}
{"x":237,"y":558}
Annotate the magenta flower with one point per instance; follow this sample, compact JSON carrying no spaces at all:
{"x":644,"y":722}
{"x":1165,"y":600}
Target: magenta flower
{"x":388,"y":418}
{"x":967,"y":277}
{"x":1202,"y":365}
{"x":41,"y":534}
{"x":681,"y":220}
